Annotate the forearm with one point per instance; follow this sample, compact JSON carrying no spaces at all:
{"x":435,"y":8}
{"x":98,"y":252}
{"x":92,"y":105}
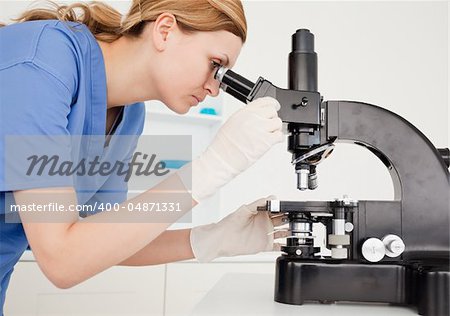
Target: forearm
{"x":103,"y":240}
{"x":170,"y":246}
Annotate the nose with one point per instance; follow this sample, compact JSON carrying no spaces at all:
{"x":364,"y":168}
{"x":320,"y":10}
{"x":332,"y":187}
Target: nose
{"x":212,"y":86}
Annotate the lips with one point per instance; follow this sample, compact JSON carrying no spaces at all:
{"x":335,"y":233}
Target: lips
{"x":199,"y":99}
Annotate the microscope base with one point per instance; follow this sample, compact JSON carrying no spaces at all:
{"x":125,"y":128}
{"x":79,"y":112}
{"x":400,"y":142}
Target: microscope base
{"x":426,"y":287}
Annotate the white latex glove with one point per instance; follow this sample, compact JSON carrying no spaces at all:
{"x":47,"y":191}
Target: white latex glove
{"x":246,"y":136}
{"x":243,"y":232}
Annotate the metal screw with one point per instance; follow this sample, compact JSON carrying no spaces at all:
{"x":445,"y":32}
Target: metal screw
{"x":304,"y":101}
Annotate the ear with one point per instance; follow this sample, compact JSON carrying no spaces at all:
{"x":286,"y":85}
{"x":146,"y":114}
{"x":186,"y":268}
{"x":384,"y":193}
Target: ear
{"x":163,"y":28}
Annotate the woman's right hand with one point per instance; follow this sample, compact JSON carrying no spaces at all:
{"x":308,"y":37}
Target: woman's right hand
{"x":246,"y":136}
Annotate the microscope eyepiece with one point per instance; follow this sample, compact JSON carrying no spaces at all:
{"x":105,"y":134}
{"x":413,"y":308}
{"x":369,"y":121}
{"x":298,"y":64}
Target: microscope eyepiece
{"x":234,"y":84}
{"x":220,"y":73}
{"x":302,"y":67}
{"x":303,"y":41}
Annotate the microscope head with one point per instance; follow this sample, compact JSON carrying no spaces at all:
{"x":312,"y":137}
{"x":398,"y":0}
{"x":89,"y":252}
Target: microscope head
{"x":300,"y":106}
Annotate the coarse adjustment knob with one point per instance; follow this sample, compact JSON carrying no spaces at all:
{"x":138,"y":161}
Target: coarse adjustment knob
{"x":394,"y":245}
{"x":373,"y":250}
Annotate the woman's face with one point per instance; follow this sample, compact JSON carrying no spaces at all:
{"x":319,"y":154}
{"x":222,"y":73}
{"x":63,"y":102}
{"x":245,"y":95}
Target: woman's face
{"x":184,"y":69}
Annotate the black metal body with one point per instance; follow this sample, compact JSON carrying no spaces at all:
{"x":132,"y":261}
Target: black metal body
{"x":424,"y":286}
{"x":419,"y":213}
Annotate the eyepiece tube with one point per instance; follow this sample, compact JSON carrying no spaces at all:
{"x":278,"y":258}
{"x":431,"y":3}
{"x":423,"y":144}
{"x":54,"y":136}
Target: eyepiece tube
{"x":234,"y":93}
{"x":234,"y":83}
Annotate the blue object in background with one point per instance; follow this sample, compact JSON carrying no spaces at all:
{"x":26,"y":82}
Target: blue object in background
{"x":175,"y":164}
{"x":208,"y":111}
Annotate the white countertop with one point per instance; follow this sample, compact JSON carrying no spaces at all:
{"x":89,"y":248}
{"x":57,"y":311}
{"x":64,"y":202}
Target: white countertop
{"x":252,"y":294}
{"x":260,"y":257}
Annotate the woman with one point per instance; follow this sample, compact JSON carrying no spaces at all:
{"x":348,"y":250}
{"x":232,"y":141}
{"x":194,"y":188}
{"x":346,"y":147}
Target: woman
{"x":68,"y":74}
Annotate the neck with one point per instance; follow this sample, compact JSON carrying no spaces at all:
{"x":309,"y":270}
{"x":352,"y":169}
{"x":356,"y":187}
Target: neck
{"x":124,"y":64}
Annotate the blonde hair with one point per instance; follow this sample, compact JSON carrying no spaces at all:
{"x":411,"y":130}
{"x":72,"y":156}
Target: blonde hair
{"x":107,"y":24}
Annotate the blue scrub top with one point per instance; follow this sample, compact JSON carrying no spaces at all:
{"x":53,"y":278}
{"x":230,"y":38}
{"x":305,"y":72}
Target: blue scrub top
{"x":53,"y":82}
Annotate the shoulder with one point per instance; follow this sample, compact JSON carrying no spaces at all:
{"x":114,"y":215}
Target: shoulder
{"x":61,"y":48}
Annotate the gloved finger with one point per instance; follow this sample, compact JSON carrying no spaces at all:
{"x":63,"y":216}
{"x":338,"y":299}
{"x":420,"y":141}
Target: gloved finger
{"x":259,"y":102}
{"x":253,"y":207}
{"x":265,"y":101}
{"x":275,"y":137}
{"x":267,"y":111}
{"x":279,"y":219}
{"x":274,"y":124}
{"x":276,"y":246}
{"x":262,"y":201}
{"x":281,"y":234}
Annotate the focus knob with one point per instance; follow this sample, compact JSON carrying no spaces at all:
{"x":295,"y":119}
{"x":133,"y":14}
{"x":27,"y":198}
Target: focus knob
{"x":394,"y":245}
{"x":373,"y":250}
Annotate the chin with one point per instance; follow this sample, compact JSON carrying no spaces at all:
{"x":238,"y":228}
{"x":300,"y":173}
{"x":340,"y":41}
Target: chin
{"x":177,"y":107}
{"x":181,"y":109}
{"x":184,"y":111}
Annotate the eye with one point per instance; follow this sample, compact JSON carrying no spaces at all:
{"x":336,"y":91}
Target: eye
{"x":215,"y":64}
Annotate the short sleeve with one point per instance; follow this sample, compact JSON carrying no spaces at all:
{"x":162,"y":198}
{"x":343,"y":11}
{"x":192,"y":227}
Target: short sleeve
{"x":34,"y":108}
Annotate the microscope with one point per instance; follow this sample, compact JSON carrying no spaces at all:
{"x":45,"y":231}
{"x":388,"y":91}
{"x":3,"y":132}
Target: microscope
{"x":394,"y":251}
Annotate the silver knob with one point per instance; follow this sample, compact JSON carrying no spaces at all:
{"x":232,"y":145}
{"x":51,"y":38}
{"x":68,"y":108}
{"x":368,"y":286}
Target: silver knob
{"x":348,"y":227}
{"x":373,"y":250}
{"x":394,"y":245}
